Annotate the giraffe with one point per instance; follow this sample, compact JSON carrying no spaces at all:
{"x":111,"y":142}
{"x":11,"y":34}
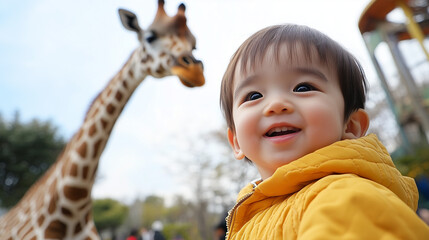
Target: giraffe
{"x":58,"y":205}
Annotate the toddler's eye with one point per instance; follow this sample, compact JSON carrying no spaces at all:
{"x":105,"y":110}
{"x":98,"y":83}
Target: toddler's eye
{"x":304,"y":87}
{"x":252,"y":96}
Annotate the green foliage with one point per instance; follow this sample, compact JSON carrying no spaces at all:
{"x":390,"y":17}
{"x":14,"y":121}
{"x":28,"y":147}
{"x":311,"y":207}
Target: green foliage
{"x":415,"y":164}
{"x":180,"y":211}
{"x":182,"y":229}
{"x":179,"y":218}
{"x":27,"y":150}
{"x":108,"y":213}
{"x":153,"y":210}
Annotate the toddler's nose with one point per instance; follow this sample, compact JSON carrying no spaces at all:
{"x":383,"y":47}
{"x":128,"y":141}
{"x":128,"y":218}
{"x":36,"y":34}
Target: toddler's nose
{"x":278,"y":106}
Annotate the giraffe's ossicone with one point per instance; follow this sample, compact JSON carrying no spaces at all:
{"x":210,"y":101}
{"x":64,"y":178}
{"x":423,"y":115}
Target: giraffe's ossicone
{"x":59,"y":206}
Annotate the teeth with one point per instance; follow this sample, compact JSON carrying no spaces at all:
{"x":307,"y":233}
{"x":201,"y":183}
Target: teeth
{"x":281,"y":129}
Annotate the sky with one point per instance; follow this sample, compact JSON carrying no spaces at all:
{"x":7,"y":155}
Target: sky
{"x":55,"y":56}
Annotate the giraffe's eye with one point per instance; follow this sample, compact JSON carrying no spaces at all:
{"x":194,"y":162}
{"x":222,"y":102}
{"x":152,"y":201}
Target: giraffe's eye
{"x":187,"y":60}
{"x":152,"y":37}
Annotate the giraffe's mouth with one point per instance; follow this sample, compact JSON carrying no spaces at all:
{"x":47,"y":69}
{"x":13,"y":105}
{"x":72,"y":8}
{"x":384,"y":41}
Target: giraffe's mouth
{"x":189,"y":71}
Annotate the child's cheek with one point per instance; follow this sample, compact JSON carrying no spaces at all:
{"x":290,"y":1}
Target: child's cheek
{"x":326,"y":123}
{"x":246,"y":129}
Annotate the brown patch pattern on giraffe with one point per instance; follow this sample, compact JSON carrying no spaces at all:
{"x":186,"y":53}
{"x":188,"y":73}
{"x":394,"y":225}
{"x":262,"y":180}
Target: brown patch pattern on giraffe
{"x":131,"y":73}
{"x":66,"y":212}
{"x":118,"y":96}
{"x":56,"y":230}
{"x":77,"y":228}
{"x":41,"y":220}
{"x":53,"y":204}
{"x":85,"y":172}
{"x":110,"y":109}
{"x":54,"y":198}
{"x":97,"y":147}
{"x":104,"y":123}
{"x":73,"y":170}
{"x":92,"y":130}
{"x":75,"y":193}
{"x":81,"y":150}
{"x":125,"y":84}
{"x":147,"y":59}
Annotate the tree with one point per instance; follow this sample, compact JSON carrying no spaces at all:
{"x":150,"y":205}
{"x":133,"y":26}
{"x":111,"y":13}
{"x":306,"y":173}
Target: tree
{"x":416,"y":165}
{"x":153,"y":210}
{"x":180,"y":220}
{"x":236,"y":174}
{"x":214,"y":177}
{"x":27,"y":150}
{"x":108,"y":214}
{"x":184,"y":230}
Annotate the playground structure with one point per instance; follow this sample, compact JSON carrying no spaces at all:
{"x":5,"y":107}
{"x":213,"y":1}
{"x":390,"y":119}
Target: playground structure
{"x":401,"y":28}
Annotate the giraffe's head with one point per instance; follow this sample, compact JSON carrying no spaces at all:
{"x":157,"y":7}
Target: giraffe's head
{"x":167,"y":46}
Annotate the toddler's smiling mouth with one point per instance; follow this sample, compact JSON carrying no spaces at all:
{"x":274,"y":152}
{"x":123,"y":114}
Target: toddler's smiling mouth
{"x":280,"y":131}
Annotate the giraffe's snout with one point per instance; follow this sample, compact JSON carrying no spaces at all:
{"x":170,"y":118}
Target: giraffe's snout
{"x":188,"y":60}
{"x":189,"y":70}
{"x":199,"y":62}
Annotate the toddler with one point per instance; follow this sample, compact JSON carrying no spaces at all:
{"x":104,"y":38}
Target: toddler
{"x":294,"y":103}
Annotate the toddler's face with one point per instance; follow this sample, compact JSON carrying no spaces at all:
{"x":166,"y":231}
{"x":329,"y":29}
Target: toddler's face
{"x":285,"y":110}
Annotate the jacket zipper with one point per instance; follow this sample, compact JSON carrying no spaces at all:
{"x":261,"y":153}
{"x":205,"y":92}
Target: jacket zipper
{"x":232,"y":211}
{"x":239,"y":202}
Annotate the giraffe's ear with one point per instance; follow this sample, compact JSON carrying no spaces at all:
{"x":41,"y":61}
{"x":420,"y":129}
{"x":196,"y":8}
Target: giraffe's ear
{"x":129,"y":20}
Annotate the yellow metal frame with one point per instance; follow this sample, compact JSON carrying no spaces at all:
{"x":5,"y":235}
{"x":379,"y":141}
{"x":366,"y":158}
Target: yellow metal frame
{"x":412,"y":26}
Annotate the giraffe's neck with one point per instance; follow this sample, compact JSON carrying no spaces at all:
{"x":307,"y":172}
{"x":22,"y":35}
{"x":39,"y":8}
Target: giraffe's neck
{"x":80,"y":159}
{"x":61,"y":199}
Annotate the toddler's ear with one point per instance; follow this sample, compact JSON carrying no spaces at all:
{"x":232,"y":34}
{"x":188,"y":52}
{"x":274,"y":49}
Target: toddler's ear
{"x":357,"y":125}
{"x":232,"y":139}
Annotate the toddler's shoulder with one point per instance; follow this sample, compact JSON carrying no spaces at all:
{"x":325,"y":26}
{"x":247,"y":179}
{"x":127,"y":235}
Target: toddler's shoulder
{"x":349,"y":190}
{"x":347,"y":203}
{"x":351,"y":184}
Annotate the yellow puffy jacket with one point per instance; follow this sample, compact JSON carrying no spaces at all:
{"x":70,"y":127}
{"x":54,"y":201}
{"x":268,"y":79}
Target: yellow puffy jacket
{"x":348,"y":190}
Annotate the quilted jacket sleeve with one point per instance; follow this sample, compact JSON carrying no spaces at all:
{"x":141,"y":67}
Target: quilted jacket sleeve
{"x":356,"y":208}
